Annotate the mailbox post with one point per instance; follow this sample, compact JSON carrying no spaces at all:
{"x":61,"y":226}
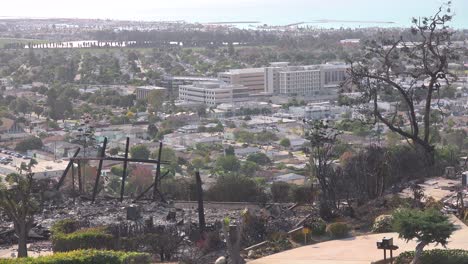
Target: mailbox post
{"x":387,"y":244}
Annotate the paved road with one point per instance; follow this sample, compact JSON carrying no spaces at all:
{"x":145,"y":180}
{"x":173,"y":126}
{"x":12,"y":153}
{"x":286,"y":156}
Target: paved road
{"x":362,"y":249}
{"x":355,"y":250}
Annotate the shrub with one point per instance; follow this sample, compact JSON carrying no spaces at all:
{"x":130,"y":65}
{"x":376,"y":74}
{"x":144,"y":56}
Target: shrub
{"x":140,"y":152}
{"x":88,"y":238}
{"x":337,"y":230}
{"x":228,"y":163}
{"x":234,"y":188}
{"x":299,"y":237}
{"x":436,"y":256}
{"x":316,"y":225}
{"x":280,"y":192}
{"x":383,"y":224}
{"x":29,"y":144}
{"x":85,"y":257}
{"x":259,"y":158}
{"x":65,"y":226}
{"x":433,"y":203}
{"x":278,"y":242}
{"x":302,"y":194}
{"x":179,"y":189}
{"x":285,"y":142}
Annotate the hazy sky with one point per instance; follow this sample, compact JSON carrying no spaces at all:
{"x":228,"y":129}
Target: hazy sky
{"x":265,"y":11}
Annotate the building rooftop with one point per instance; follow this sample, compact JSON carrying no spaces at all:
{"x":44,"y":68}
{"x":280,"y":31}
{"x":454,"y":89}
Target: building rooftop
{"x":151,"y":88}
{"x":191,"y":78}
{"x":289,"y":177}
{"x":246,"y":70}
{"x":279,"y":64}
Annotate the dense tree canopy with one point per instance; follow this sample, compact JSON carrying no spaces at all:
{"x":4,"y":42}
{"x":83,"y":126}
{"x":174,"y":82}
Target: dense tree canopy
{"x":413,"y":68}
{"x":29,"y":144}
{"x":427,"y":227}
{"x":259,"y":158}
{"x":233,"y":188}
{"x":228,"y":163}
{"x":140,"y":152}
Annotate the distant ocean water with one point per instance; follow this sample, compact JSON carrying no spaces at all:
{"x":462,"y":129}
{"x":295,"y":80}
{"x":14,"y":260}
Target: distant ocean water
{"x":271,"y":12}
{"x":284,"y":12}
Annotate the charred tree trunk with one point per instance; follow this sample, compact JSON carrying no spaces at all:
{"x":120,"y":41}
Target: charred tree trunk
{"x":418,"y":253}
{"x":158,"y":172}
{"x":201,"y":210}
{"x":22,"y":233}
{"x":233,"y":235}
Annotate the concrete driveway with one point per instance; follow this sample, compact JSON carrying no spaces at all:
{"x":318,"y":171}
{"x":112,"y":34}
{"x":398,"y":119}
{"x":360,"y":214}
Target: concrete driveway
{"x":357,"y":250}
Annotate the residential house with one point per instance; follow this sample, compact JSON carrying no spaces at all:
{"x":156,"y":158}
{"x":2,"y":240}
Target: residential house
{"x":291,"y":178}
{"x":244,"y":152}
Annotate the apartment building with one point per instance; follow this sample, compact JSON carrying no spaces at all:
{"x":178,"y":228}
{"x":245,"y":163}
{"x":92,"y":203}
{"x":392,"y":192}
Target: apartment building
{"x":252,"y":78}
{"x":282,"y":79}
{"x":142,"y":92}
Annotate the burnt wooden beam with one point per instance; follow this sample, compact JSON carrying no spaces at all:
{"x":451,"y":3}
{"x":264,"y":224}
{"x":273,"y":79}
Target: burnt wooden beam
{"x":124,"y":173}
{"x":201,"y":210}
{"x":149,"y":188}
{"x":161,"y":196}
{"x":65,"y":172}
{"x":158,"y":171}
{"x":144,"y":192}
{"x":98,"y":173}
{"x":73,"y":178}
{"x":80,"y":185}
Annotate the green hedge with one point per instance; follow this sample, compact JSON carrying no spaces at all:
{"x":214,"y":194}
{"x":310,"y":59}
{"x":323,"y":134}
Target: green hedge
{"x":436,"y":256}
{"x":65,"y":238}
{"x":65,"y":226}
{"x":85,"y":257}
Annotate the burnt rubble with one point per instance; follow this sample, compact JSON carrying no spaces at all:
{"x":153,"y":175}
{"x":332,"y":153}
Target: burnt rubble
{"x":112,"y":213}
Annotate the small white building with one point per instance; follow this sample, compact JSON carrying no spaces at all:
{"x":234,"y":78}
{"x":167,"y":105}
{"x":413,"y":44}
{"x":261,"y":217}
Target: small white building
{"x":244,"y":152}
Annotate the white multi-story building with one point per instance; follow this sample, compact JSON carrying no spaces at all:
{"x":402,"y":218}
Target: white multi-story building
{"x":142,"y":92}
{"x":272,"y":83}
{"x":300,"y":82}
{"x":213,"y":93}
{"x":252,"y":78}
{"x":282,"y":79}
